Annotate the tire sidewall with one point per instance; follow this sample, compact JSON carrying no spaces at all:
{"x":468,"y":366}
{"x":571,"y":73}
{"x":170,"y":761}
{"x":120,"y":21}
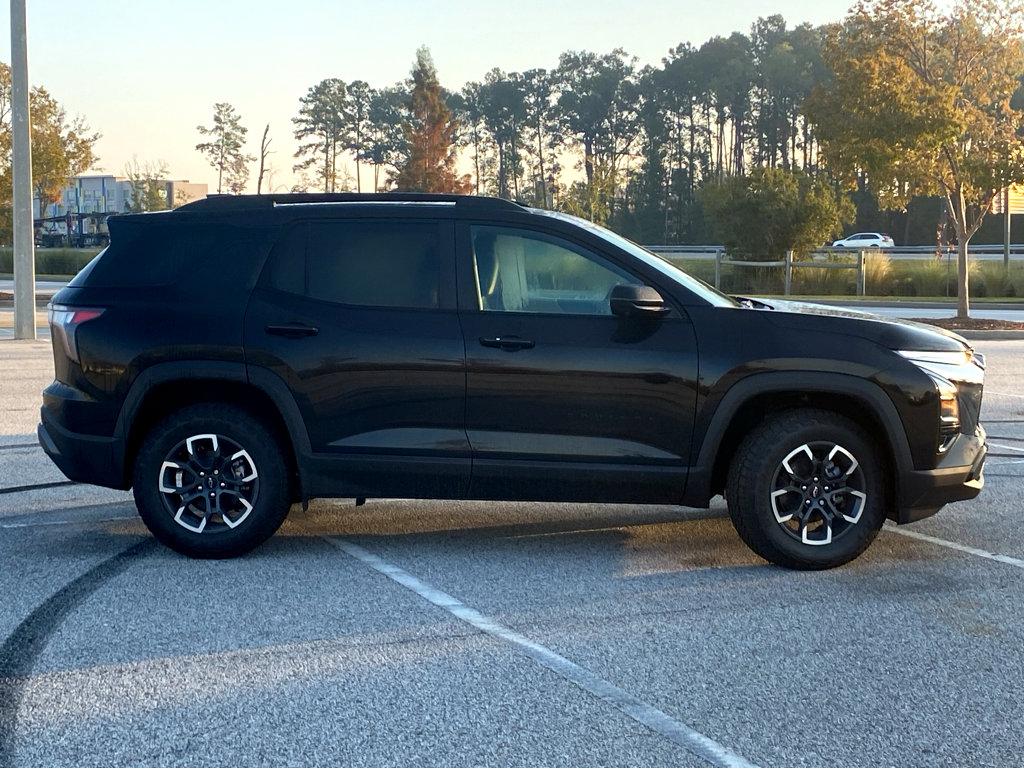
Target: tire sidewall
{"x":757,"y":498}
{"x":271,"y":503}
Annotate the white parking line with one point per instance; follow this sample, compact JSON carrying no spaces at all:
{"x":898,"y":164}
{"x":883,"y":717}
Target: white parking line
{"x":647,"y":715}
{"x":1008,"y":448}
{"x":1008,"y":560}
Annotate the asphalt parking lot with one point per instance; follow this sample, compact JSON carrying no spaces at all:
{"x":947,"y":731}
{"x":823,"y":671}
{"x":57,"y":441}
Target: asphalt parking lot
{"x":436,"y":633}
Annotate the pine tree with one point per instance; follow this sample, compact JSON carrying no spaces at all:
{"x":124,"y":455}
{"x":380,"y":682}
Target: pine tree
{"x":430,"y":132}
{"x":225,"y":150}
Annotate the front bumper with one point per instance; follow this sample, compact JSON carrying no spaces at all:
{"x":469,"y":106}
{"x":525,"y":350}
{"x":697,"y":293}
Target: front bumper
{"x":82,"y":458}
{"x":959,"y":476}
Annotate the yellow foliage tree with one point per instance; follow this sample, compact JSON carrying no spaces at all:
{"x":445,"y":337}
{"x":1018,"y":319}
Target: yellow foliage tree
{"x":920,"y":103}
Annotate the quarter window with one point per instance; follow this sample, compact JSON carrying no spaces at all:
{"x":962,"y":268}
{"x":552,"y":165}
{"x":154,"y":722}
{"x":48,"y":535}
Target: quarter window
{"x":524,"y":271}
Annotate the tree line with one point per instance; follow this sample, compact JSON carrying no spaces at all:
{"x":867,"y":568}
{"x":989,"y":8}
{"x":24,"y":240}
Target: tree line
{"x":597,"y":133}
{"x":635,"y":146}
{"x":704,"y":113}
{"x":774,"y":138}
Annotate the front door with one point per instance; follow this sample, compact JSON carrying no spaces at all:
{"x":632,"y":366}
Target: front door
{"x":358,"y":317}
{"x":564,"y":400}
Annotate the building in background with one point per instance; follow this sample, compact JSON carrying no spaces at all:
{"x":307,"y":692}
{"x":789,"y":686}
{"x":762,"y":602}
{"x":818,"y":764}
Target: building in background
{"x":79,"y":217}
{"x":106,"y":193}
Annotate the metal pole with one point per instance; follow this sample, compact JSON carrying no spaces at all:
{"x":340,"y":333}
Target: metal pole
{"x":718,"y":268}
{"x":861,"y":278}
{"x":1006,"y":230}
{"x":789,"y":272}
{"x":24,"y":237}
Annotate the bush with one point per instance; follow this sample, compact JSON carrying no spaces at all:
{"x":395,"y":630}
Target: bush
{"x":771,"y":211}
{"x":819,"y":280}
{"x":878,"y":274}
{"x":904,"y":287}
{"x":52,"y":261}
{"x":930,"y":277}
{"x":992,"y":280}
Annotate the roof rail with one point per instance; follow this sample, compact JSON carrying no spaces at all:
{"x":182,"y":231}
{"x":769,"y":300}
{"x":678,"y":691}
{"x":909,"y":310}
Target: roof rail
{"x":219,"y":203}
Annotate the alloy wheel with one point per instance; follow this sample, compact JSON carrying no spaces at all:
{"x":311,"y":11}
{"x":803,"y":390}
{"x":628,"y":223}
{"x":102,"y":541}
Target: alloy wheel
{"x":208,"y":483}
{"x":818,"y":492}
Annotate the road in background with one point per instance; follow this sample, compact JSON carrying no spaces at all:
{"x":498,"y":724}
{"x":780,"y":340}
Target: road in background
{"x":120,"y":652}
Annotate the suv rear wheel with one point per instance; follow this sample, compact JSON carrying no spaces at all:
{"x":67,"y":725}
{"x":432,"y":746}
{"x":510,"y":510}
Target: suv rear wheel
{"x":805,"y":490}
{"x":210,"y":481}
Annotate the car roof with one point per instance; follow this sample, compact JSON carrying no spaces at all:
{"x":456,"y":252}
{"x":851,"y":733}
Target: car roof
{"x":253,"y":203}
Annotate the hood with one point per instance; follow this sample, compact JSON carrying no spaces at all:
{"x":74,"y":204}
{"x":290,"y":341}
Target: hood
{"x":893,"y":333}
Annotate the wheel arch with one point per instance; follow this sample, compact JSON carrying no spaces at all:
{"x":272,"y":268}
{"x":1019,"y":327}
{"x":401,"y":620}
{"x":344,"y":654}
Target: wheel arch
{"x":748,"y":401}
{"x":169,"y":386}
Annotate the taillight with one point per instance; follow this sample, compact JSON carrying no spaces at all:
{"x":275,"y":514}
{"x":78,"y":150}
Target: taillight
{"x":64,"y":323}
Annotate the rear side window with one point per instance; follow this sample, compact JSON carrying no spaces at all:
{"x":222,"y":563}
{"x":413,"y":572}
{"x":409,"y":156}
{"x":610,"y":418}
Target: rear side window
{"x":143,"y":254}
{"x":363,"y":263}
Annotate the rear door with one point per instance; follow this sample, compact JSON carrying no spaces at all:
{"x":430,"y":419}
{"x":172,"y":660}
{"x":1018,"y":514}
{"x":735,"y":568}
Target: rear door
{"x":358,"y":317}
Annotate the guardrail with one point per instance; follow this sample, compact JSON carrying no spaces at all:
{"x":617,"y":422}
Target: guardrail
{"x":985,"y":252}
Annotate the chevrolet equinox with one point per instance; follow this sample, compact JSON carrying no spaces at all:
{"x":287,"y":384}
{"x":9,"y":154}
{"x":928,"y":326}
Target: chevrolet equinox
{"x":240,"y":354}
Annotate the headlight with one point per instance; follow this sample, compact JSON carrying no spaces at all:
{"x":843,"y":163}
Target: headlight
{"x":952,"y":365}
{"x":949,"y":406}
{"x":947,"y":370}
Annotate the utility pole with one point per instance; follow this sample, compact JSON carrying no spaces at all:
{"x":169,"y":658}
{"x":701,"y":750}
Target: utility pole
{"x":24,"y":231}
{"x":1006,"y":229}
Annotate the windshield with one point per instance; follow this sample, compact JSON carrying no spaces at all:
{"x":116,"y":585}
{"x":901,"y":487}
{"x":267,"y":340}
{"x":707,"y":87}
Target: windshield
{"x":709,"y":294}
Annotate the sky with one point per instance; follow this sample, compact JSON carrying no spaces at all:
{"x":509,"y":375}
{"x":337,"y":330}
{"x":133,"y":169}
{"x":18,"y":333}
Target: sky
{"x":145,"y":73}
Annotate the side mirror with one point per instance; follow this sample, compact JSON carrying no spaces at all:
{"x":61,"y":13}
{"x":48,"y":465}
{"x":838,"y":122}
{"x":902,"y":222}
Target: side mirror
{"x":637,"y":302}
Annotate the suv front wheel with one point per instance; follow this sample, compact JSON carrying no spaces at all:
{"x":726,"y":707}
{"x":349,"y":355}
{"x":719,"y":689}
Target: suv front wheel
{"x":211,"y":482}
{"x":805,"y":490}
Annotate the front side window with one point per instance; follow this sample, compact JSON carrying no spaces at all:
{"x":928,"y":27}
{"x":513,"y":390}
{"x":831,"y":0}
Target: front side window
{"x":364,"y":263}
{"x":523,"y":271}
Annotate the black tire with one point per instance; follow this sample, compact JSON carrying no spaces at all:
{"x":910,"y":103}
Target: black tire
{"x":757,"y":471}
{"x":267,"y":495}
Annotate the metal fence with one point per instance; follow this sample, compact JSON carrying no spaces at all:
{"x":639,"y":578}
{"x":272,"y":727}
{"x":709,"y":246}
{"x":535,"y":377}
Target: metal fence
{"x":826,"y":259}
{"x":817,"y":262}
{"x":981,"y":252}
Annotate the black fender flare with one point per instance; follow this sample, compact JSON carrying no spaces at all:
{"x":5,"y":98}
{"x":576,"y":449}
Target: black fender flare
{"x":867,"y":393}
{"x":264,"y":380}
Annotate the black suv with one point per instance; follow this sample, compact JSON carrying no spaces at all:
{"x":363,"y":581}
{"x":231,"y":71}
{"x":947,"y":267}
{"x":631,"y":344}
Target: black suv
{"x":240,"y":354}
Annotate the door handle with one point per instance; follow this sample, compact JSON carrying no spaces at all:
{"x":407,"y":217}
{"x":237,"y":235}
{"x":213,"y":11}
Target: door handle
{"x":509,"y":343}
{"x":292,"y":330}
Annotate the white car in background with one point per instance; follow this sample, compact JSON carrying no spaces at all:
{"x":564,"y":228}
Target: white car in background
{"x":865,"y":240}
